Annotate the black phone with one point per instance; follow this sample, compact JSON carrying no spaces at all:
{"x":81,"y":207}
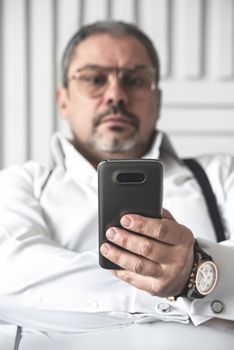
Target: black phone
{"x":127,"y":186}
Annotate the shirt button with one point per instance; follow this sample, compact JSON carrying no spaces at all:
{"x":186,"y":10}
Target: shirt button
{"x":93,"y":305}
{"x":164,"y":307}
{"x":216,"y":306}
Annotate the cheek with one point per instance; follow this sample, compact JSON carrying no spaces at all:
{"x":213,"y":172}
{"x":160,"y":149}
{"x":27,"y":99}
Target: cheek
{"x":148,"y":116}
{"x":81,"y":116}
{"x":78,"y":117}
{"x":81,"y":111}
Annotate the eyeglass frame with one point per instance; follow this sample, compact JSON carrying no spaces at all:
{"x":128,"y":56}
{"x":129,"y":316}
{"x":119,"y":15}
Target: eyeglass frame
{"x":117,"y":71}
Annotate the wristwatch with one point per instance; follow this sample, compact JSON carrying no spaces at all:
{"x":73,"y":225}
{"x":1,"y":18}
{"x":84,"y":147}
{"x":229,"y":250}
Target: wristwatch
{"x":203,"y":277}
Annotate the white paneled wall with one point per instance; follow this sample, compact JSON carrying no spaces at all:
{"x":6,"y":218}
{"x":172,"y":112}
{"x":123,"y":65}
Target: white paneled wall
{"x":195,"y":40}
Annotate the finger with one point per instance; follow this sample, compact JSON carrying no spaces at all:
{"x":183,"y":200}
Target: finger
{"x":148,"y":284}
{"x":164,"y":230}
{"x":142,"y":246}
{"x":131,"y":262}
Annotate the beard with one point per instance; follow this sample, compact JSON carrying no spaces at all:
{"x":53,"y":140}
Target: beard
{"x":115,"y":144}
{"x":115,"y":141}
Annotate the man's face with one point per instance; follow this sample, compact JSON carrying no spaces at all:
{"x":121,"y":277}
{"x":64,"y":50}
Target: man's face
{"x":110,"y":120}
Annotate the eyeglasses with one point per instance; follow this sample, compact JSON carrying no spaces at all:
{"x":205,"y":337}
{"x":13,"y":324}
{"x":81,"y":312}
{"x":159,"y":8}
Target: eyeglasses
{"x":93,"y":80}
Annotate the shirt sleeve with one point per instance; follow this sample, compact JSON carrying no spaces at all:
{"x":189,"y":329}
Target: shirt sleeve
{"x":43,"y":285}
{"x":220,"y":170}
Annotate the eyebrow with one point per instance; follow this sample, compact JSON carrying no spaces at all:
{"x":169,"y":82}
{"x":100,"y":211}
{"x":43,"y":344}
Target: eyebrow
{"x":96,"y":66}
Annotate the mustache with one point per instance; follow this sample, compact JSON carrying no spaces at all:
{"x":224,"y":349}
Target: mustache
{"x":117,"y":109}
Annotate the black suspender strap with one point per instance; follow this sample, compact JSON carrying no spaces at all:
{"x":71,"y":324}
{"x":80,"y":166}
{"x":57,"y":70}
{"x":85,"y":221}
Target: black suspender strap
{"x":211,"y":202}
{"x":208,"y":193}
{"x":18,"y":338}
{"x":46,"y":180}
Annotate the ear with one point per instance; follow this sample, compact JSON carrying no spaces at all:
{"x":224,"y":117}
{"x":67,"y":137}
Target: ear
{"x":158,"y":99}
{"x":62,"y":98}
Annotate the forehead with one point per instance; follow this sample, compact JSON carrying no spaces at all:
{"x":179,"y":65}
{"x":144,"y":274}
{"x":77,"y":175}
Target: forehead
{"x":110,"y":50}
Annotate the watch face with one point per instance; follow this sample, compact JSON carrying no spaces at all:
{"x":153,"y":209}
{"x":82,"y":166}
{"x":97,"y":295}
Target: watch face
{"x":206,"y":277}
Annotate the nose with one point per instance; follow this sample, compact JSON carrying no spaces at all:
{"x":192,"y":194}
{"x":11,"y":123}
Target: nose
{"x":115,"y":93}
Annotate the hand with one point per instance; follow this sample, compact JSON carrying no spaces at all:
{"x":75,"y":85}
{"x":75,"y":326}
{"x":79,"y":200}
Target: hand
{"x":158,"y":255}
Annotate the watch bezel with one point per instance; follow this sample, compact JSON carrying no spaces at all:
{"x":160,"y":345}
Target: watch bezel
{"x":210,"y":262}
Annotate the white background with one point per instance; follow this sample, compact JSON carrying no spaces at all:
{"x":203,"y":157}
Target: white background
{"x":195,"y":40}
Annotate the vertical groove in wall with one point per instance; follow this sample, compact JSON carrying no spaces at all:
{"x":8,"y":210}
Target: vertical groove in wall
{"x":81,"y":14}
{"x":203,"y":48}
{"x":232,"y":38}
{"x":108,"y":9}
{"x":1,"y":84}
{"x":136,"y":16}
{"x":170,"y":25}
{"x":28,"y":108}
{"x":54,"y":24}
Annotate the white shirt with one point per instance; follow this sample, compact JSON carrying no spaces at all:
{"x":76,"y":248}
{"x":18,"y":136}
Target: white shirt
{"x":50,"y":278}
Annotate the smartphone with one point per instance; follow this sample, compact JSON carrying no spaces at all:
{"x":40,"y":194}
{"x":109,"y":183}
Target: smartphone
{"x":127,"y":186}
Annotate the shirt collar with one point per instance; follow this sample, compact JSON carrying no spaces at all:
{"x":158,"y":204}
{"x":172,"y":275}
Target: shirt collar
{"x":160,"y":147}
{"x":64,"y":152}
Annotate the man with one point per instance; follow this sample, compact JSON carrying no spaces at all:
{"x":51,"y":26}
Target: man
{"x":50,"y":277}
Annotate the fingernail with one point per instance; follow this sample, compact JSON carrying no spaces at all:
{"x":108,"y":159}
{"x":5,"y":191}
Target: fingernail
{"x":111,"y":234}
{"x":126,"y":221}
{"x":104,"y":249}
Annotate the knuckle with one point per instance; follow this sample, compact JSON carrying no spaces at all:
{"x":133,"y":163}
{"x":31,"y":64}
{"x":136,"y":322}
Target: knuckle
{"x":146,"y":248}
{"x":116,"y":258}
{"x":138,"y":224}
{"x":161,"y":231}
{"x":138,"y":266}
{"x":124,"y":241}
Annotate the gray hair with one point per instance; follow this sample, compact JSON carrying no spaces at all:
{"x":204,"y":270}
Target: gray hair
{"x":113,"y":28}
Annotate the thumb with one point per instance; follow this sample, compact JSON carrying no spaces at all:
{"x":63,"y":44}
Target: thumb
{"x":167,"y":215}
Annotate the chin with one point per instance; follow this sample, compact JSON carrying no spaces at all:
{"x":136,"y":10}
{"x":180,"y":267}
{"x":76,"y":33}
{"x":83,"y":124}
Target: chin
{"x":115,"y":144}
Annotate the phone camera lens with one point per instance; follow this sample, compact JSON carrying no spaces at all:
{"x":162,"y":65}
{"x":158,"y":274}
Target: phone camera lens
{"x":130,"y":177}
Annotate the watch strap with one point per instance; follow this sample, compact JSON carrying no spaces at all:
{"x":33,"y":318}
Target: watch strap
{"x":190,"y":290}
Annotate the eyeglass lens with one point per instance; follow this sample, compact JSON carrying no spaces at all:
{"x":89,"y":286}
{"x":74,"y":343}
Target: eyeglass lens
{"x":94,"y":81}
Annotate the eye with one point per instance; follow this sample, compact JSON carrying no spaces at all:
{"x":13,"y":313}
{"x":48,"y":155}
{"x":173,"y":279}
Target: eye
{"x":95,"y":79}
{"x":134,"y":81}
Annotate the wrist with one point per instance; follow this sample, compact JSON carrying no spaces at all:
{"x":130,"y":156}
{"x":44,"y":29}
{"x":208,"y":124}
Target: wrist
{"x":203,"y":276}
